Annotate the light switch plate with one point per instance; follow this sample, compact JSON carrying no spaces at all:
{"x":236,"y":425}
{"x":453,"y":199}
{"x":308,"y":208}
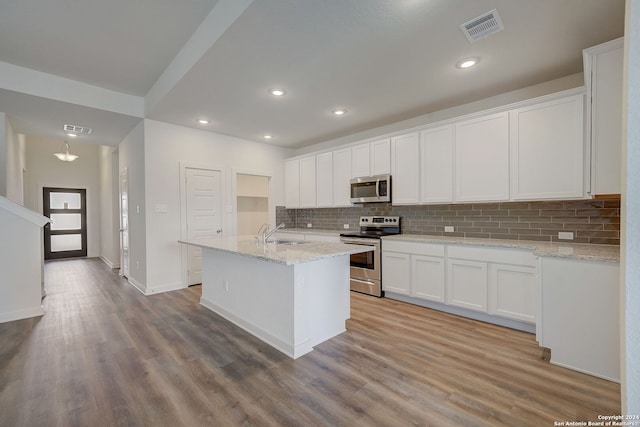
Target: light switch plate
{"x":345,"y":226}
{"x":309,"y":225}
{"x":448,"y":229}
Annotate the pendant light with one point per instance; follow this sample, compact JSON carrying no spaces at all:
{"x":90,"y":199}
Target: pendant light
{"x":64,"y":155}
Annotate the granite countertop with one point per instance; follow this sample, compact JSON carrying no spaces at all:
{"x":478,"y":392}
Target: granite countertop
{"x":312,"y":231}
{"x":606,"y":253}
{"x":279,"y":253}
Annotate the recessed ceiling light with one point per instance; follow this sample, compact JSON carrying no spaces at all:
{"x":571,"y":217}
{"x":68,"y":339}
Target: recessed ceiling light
{"x":339,"y":112}
{"x":203,"y":121}
{"x":277,"y":92}
{"x":467,"y":63}
{"x":267,"y":137}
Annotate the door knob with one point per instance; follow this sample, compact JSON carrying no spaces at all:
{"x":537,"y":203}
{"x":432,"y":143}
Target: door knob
{"x":219,"y":230}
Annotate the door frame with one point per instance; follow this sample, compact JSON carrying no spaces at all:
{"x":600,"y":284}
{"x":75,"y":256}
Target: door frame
{"x":124,"y":265}
{"x":234,"y":193}
{"x":225,"y":211}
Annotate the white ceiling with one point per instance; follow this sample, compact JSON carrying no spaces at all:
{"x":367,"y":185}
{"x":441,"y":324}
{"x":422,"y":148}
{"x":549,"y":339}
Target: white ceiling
{"x":384,"y":61}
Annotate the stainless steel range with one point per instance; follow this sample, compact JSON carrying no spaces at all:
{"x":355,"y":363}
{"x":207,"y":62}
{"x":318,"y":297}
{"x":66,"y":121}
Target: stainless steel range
{"x":366,"y":274}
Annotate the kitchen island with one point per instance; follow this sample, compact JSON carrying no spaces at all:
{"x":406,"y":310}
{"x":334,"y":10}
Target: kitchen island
{"x":291,"y":295}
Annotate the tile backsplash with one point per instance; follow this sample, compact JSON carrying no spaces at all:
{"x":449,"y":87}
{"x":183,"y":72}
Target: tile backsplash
{"x":590,"y":221}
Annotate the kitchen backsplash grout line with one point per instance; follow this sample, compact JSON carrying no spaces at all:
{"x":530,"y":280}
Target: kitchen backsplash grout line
{"x":591,"y":221}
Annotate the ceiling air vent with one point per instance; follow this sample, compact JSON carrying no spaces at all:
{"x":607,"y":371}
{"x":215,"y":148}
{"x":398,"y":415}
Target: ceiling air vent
{"x":482,"y":26}
{"x":77,"y":129}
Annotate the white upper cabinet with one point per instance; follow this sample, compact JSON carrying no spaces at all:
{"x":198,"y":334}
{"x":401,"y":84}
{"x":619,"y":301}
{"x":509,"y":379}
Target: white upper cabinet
{"x":380,"y":157}
{"x":371,"y":158}
{"x":547,"y":150}
{"x":603,"y":78}
{"x":482,"y":158}
{"x":436,"y":154}
{"x":324,"y":180}
{"x":360,"y":160}
{"x":292,"y":184}
{"x":342,"y":177}
{"x":405,"y":160}
{"x":308,"y":182}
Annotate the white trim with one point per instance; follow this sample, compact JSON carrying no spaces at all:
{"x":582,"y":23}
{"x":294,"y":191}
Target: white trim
{"x":139,"y":286}
{"x":109,"y":263}
{"x":24,"y":313}
{"x":164,"y":288}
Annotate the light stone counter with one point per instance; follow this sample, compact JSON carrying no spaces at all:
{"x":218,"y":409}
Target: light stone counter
{"x":304,"y":251}
{"x":604,"y":253}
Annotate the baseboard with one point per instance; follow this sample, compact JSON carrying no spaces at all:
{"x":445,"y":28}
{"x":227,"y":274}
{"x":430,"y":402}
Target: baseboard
{"x":109,"y":263}
{"x":25,"y":313}
{"x":139,"y":286}
{"x":164,"y":288}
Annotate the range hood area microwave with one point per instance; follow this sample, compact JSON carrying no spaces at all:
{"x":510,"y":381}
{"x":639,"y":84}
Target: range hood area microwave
{"x":371,"y":189}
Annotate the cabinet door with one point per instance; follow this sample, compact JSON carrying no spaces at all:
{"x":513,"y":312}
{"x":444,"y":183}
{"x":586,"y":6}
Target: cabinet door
{"x":292,"y":184}
{"x":436,"y":150}
{"x":467,"y":284}
{"x":380,"y":157}
{"x":512,"y":292}
{"x":428,"y":278}
{"x":341,"y":177}
{"x":405,"y":158}
{"x":547,"y":150}
{"x":308,"y":182}
{"x":396,"y":273}
{"x":606,"y":117}
{"x":324,"y":180}
{"x":360,"y":161}
{"x":482,"y":158}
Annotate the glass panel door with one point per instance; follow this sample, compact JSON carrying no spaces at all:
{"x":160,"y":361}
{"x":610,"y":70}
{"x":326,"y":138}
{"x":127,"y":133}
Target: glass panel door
{"x":66,"y":235}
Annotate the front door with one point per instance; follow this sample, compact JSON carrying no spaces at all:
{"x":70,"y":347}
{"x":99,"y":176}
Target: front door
{"x":66,"y":235}
{"x":204,"y":207}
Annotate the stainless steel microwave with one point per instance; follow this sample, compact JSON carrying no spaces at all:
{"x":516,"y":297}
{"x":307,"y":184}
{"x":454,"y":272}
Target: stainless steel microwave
{"x":371,"y":189}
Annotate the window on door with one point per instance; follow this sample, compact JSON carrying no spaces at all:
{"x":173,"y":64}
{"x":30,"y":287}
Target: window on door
{"x":66,"y":235}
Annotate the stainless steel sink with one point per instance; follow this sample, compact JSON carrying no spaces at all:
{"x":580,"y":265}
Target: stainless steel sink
{"x":286,"y":242}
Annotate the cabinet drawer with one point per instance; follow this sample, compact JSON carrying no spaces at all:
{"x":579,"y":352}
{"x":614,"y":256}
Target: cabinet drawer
{"x":414,"y":248}
{"x":502,"y":256}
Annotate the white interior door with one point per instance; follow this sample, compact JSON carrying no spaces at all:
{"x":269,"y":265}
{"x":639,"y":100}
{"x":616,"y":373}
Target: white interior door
{"x":204,"y":208}
{"x":124,"y":223}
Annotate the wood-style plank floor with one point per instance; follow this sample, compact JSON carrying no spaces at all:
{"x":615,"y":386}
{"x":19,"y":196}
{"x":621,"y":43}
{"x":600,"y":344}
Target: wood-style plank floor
{"x":105,"y":355}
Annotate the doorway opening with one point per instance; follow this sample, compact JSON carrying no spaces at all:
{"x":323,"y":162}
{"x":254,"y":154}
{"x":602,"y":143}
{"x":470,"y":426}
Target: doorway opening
{"x":252,"y":201}
{"x":66,"y":235}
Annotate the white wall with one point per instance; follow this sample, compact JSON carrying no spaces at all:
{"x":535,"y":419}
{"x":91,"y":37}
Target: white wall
{"x":3,"y":154}
{"x":131,"y":158}
{"x":630,"y":231}
{"x":109,"y":219}
{"x":45,"y":170}
{"x":166,"y":147}
{"x":20,"y":268}
{"x":16,"y":164}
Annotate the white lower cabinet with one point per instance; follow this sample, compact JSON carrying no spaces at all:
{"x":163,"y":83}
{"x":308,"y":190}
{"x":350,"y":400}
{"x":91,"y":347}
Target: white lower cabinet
{"x":413,"y":269}
{"x":396,"y":269}
{"x":428,"y":277}
{"x":467,"y":284}
{"x":499,"y":282}
{"x":512,"y":291}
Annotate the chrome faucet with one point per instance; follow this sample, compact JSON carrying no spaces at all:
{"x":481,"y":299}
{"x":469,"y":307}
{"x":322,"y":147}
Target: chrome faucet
{"x":266,"y":233}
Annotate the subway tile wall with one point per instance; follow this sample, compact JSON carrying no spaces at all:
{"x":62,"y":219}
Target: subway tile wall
{"x":591,"y":221}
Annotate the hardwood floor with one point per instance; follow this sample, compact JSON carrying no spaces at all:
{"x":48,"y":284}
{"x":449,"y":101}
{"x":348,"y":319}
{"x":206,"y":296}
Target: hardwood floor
{"x":105,"y":355}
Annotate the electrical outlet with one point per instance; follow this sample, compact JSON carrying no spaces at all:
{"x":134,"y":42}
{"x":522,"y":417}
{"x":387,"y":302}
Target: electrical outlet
{"x":448,"y":229}
{"x":565,"y":235}
{"x":345,"y":226}
{"x":309,"y":225}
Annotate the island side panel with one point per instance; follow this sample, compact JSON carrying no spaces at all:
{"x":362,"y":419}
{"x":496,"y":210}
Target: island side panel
{"x":291,"y":308}
{"x":322,"y":300}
